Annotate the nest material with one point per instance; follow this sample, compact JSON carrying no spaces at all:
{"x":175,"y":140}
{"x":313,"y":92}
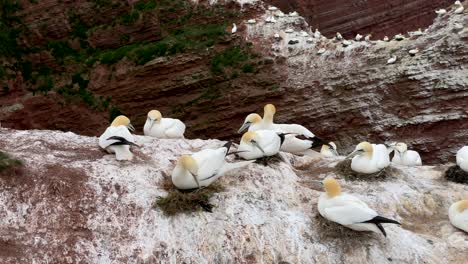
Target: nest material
{"x":270,"y":160}
{"x":7,"y":162}
{"x":326,"y":229}
{"x":456,"y":174}
{"x":179,"y":201}
{"x":343,"y":168}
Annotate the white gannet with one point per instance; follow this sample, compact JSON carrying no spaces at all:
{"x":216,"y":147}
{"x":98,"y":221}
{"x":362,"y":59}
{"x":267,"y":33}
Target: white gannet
{"x":272,"y":8}
{"x":329,"y":150}
{"x":277,"y":36}
{"x":413,"y":52}
{"x":309,"y":40}
{"x":304,"y":34}
{"x":117,"y":138}
{"x":358,"y":37}
{"x":234,"y":28}
{"x":386,"y":39}
{"x":270,"y":19}
{"x":251,"y":21}
{"x":462,"y":158}
{"x":317,"y":34}
{"x":269,"y":111}
{"x":399,"y":37}
{"x":298,"y":145}
{"x":406,"y":157}
{"x":460,"y":7}
{"x":369,"y":158}
{"x":348,"y":210}
{"x":289,"y":30}
{"x":458,"y":215}
{"x":293,"y":14}
{"x":259,"y":144}
{"x":321,"y":51}
{"x":279,"y":13}
{"x":159,"y":127}
{"x":253,"y":122}
{"x":367,"y":38}
{"x":392,"y":59}
{"x":441,"y":12}
{"x":203,"y":168}
{"x":417,"y":32}
{"x":346,"y":43}
{"x":338,"y":36}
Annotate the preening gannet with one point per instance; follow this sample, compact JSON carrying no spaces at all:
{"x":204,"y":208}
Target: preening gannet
{"x":203,"y":168}
{"x":234,"y":28}
{"x":329,"y":150}
{"x":386,"y":39}
{"x":338,"y":36}
{"x":117,"y":138}
{"x":406,"y":157}
{"x":348,"y":210}
{"x":459,"y":7}
{"x":441,"y":12}
{"x":462,"y":158}
{"x":458,"y":215}
{"x":392,"y":59}
{"x":358,"y":37}
{"x":259,"y":144}
{"x":413,"y":52}
{"x":159,"y":127}
{"x":369,"y":158}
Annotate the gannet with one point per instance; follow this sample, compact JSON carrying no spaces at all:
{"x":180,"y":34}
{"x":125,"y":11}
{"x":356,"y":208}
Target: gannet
{"x":392,"y":59}
{"x":462,"y":158}
{"x":269,"y":111}
{"x":309,"y":40}
{"x":234,"y":28}
{"x":346,"y":43}
{"x":251,"y":21}
{"x":317,"y":34}
{"x":413,"y":52}
{"x":348,"y":210}
{"x":329,"y":150}
{"x":159,"y":127}
{"x":298,"y":145}
{"x":338,"y":36}
{"x":279,"y":13}
{"x":259,"y":144}
{"x":406,"y":157}
{"x":367,"y":38}
{"x":253,"y":122}
{"x":289,"y":30}
{"x":270,"y":19}
{"x":369,"y":158}
{"x":321,"y":51}
{"x":272,"y":8}
{"x":117,"y":138}
{"x":441,"y":11}
{"x":399,"y":37}
{"x":304,"y":34}
{"x":293,"y":14}
{"x":418,"y":32}
{"x":458,"y":215}
{"x":386,"y":38}
{"x":276,"y":36}
{"x":203,"y":168}
{"x":358,"y":37}
{"x":460,"y":7}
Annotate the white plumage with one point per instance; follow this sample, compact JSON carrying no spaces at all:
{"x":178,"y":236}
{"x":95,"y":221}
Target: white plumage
{"x":297,"y":146}
{"x":259,"y":144}
{"x":460,"y":7}
{"x":441,"y":11}
{"x":462,"y":158}
{"x":369,"y":158}
{"x":117,"y":138}
{"x":358,"y":37}
{"x":406,"y":157}
{"x":159,"y":127}
{"x":317,"y":34}
{"x":234,"y":28}
{"x":329,"y":150}
{"x":392,"y":59}
{"x":386,"y":38}
{"x":458,"y":215}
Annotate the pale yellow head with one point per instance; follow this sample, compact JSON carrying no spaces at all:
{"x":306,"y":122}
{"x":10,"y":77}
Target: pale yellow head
{"x":154,"y":115}
{"x":333,"y":145}
{"x":253,"y":118}
{"x":462,"y":205}
{"x":332,"y":187}
{"x":121,"y":120}
{"x":366,"y":147}
{"x":248,"y":136}
{"x":269,"y":109}
{"x":189,"y":163}
{"x":401,"y":147}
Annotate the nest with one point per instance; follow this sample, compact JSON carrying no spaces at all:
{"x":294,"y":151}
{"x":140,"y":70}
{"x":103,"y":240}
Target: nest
{"x":270,"y":160}
{"x":180,"y":201}
{"x":456,"y":174}
{"x":7,"y":162}
{"x":343,"y":168}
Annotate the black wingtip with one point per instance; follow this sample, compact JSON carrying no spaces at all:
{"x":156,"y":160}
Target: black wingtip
{"x":121,"y":141}
{"x":282,"y":137}
{"x":228,"y":146}
{"x":381,"y":229}
{"x":381,"y":219}
{"x":318,"y":142}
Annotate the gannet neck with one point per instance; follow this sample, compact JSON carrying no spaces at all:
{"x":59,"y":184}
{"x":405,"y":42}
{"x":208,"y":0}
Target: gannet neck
{"x":268,"y":113}
{"x":121,"y":120}
{"x":189,"y":163}
{"x":332,"y":187}
{"x":462,"y":205}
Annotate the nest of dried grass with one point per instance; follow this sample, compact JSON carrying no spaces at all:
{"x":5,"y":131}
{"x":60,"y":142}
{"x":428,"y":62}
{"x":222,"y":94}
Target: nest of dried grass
{"x":328,"y":230}
{"x":181,"y":201}
{"x":456,"y":174}
{"x":343,"y":168}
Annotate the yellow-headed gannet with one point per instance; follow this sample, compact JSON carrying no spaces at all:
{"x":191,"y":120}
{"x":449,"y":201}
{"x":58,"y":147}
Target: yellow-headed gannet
{"x":259,"y":144}
{"x":252,"y":122}
{"x":159,"y":127}
{"x":458,"y":215}
{"x":267,"y":123}
{"x":406,"y":157}
{"x":459,"y":7}
{"x":392,"y":59}
{"x":462,"y":158}
{"x":358,"y":37}
{"x":203,"y":168}
{"x":441,"y":12}
{"x":117,"y":138}
{"x":348,"y":210}
{"x":329,"y":150}
{"x":234,"y":28}
{"x":369,"y":158}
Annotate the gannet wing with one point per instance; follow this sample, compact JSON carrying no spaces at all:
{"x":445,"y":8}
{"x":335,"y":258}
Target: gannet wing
{"x":295,"y":129}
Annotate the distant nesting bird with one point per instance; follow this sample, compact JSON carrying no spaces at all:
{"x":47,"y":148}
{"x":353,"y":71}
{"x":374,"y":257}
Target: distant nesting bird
{"x":289,"y":30}
{"x":392,"y":59}
{"x":251,"y":21}
{"x":441,"y":12}
{"x":460,"y":7}
{"x":279,"y":13}
{"x":293,"y":14}
{"x":458,"y":25}
{"x":399,"y":37}
{"x":386,"y":38}
{"x":270,"y":19}
{"x":317,"y":34}
{"x":203,"y":168}
{"x":367,"y":38}
{"x":458,"y":215}
{"x":276,"y":36}
{"x":462,"y":158}
{"x":234,"y":28}
{"x":413,"y":52}
{"x":159,"y":127}
{"x":406,"y":157}
{"x":272,"y":8}
{"x":418,"y":32}
{"x":329,"y":150}
{"x":358,"y":37}
{"x":117,"y":138}
{"x":309,"y":40}
{"x":348,"y":210}
{"x":321,"y":51}
{"x":338,"y":36}
{"x":346,"y":43}
{"x":304,"y":34}
{"x":369,"y":158}
{"x":259,"y":144}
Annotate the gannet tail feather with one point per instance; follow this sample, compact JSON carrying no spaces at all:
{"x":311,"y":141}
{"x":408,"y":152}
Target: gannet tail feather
{"x":120,"y":141}
{"x":381,"y":219}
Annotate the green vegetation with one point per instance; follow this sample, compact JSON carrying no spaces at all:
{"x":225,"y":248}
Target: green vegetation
{"x":61,"y":50}
{"x":9,"y":34}
{"x":232,"y":57}
{"x":7,"y":162}
{"x":145,"y":5}
{"x":130,"y":18}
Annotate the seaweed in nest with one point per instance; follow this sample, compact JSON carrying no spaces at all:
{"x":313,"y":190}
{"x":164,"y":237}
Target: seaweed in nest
{"x":270,"y":160}
{"x":456,"y":174}
{"x":181,"y":201}
{"x":7,"y":162}
{"x":343,"y":168}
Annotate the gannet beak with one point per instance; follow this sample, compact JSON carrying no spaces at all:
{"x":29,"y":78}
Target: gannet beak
{"x":151,"y":123}
{"x":258,"y":146}
{"x":131,"y":128}
{"x":354,"y":153}
{"x":243,"y":127}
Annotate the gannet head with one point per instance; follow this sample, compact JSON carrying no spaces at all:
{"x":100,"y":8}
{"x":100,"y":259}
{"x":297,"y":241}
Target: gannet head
{"x":251,"y":138}
{"x":249,"y":120}
{"x":122,"y":120}
{"x":154,"y":116}
{"x":401,"y":147}
{"x":363,"y":148}
{"x":331,"y":147}
{"x":462,"y":205}
{"x":269,"y":108}
{"x":189,"y":163}
{"x":332,"y":187}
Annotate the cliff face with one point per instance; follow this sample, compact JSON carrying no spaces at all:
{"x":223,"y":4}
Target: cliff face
{"x":71,"y":203}
{"x":173,"y":56}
